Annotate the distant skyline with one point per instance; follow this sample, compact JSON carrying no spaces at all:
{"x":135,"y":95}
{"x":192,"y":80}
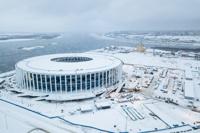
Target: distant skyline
{"x":98,"y":15}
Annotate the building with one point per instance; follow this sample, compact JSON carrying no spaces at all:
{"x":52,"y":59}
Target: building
{"x":189,"y":90}
{"x":68,"y":73}
{"x":188,"y":75}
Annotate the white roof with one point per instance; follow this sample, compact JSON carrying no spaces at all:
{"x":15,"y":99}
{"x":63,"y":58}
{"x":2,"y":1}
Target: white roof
{"x":86,"y":108}
{"x":103,"y":104}
{"x":189,"y":89}
{"x":45,"y":65}
{"x":188,"y":74}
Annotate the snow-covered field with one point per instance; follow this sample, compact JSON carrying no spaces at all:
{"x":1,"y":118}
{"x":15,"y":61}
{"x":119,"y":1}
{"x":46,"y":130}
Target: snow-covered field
{"x":175,"y":39}
{"x":152,"y":100}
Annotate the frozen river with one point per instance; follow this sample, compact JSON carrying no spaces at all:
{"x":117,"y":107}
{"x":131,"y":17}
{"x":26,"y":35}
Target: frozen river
{"x":14,"y":50}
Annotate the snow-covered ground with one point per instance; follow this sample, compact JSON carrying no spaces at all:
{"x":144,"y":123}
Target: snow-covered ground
{"x":163,"y":38}
{"x":152,"y":100}
{"x":17,"y":119}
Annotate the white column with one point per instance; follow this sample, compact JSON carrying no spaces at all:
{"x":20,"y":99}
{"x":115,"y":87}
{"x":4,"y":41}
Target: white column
{"x":116,"y":74}
{"x":37,"y":82}
{"x":71,"y":83}
{"x":81,"y":82}
{"x":30,"y":80}
{"x":65,"y":83}
{"x":99,"y":79}
{"x":26,"y":81}
{"x":20,"y":81}
{"x":95,"y":74}
{"x":102,"y":79}
{"x":17,"y":76}
{"x":50,"y":82}
{"x":60,"y":84}
{"x":23,"y":79}
{"x":76,"y":82}
{"x":41,"y":82}
{"x":33,"y":81}
{"x":90,"y":82}
{"x":86,"y":82}
{"x":106,"y":79}
{"x":109,"y":78}
{"x":24,"y":85}
{"x":20,"y":78}
{"x":46,"y":83}
{"x":55,"y":83}
{"x":113,"y":76}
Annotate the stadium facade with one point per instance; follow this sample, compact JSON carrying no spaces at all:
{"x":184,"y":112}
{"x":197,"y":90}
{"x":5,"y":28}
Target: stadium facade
{"x":68,"y":73}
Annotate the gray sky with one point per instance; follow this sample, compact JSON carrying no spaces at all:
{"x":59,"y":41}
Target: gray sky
{"x":98,"y":15}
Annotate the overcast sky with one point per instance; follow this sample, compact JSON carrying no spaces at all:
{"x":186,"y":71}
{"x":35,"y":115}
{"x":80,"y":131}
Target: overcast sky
{"x":98,"y":15}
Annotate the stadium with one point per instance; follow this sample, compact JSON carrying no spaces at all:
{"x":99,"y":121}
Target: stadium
{"x":68,"y":73}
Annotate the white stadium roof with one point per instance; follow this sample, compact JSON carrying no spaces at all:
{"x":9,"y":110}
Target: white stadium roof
{"x":68,"y":63}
